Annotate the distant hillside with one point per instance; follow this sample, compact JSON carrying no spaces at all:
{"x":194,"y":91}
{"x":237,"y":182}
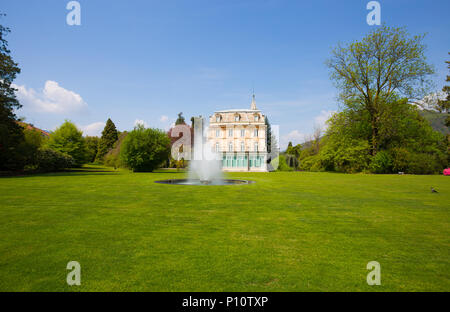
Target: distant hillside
{"x":31,"y":127}
{"x":436,"y":119}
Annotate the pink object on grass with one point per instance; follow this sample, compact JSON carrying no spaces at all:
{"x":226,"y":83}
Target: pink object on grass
{"x":447,"y":172}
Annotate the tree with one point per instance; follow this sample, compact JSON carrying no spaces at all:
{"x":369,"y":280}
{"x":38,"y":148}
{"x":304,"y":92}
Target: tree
{"x":268,"y":135}
{"x":48,"y":160}
{"x":144,"y":150}
{"x":68,"y":140}
{"x":33,"y":140}
{"x":385,"y":63}
{"x":289,"y":148}
{"x":406,"y":141}
{"x":11,"y":133}
{"x":92,"y":143}
{"x":180,"y":119}
{"x":443,"y":105}
{"x":316,"y":138}
{"x":109,"y":137}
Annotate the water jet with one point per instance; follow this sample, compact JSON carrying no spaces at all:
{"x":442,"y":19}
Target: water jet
{"x":206,"y":167}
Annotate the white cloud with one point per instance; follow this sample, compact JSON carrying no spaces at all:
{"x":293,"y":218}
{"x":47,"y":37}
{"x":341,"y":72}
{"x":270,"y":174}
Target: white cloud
{"x":52,"y":99}
{"x":320,"y":120}
{"x":163,"y":118}
{"x":295,"y":136}
{"x":94,"y":129}
{"x":140,"y":122}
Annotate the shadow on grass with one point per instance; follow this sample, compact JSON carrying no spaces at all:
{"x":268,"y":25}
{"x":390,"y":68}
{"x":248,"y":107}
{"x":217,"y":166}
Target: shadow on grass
{"x":69,"y":172}
{"x":85,"y":170}
{"x":75,"y":173}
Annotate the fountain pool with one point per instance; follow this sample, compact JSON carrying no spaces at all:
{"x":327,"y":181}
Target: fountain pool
{"x":204,"y":182}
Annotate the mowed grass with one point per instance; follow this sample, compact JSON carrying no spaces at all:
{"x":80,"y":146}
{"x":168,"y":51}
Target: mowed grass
{"x":287,"y":232}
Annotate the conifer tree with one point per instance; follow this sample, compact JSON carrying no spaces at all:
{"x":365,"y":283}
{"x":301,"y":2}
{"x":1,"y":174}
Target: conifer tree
{"x":109,"y":137}
{"x":268,"y":135}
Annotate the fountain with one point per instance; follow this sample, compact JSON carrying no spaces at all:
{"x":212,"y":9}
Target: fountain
{"x":206,"y":166}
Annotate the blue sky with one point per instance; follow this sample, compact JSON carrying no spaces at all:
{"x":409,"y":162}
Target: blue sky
{"x":149,"y":60}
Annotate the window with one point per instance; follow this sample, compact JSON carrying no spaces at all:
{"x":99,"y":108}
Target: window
{"x":230,"y":147}
{"x":242,"y":147}
{"x":255,"y":133}
{"x":257,"y":118}
{"x":236,"y":118}
{"x":217,"y":133}
{"x":242,"y":133}
{"x":256,"y":146}
{"x":217,"y":118}
{"x":217,"y":147}
{"x":230,"y":133}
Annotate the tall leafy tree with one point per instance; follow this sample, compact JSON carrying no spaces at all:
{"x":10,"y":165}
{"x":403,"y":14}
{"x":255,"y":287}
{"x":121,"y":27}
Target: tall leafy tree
{"x":11,"y":134}
{"x":109,"y":137}
{"x":384,"y":63}
{"x":443,"y":105}
{"x":68,"y":140}
{"x":92,"y":143}
{"x":406,"y":140}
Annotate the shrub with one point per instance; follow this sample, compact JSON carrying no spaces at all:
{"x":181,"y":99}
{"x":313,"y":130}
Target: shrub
{"x":282,"y":164}
{"x":400,"y":159}
{"x":145,"y":149}
{"x":292,"y":161}
{"x":51,"y":160}
{"x":172,"y":162}
{"x":422,"y":163}
{"x":381,"y":163}
{"x":417,"y":163}
{"x":181,"y":164}
{"x":346,"y":156}
{"x":311,"y":163}
{"x":112,"y":158}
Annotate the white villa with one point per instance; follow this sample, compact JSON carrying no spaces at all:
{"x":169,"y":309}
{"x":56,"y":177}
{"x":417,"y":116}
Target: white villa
{"x":239,"y":136}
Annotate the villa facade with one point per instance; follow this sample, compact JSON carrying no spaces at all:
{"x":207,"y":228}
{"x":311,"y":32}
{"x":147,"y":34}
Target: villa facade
{"x":239,"y":137}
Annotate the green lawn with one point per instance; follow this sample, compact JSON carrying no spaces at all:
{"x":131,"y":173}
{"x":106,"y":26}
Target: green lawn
{"x":287,"y":232}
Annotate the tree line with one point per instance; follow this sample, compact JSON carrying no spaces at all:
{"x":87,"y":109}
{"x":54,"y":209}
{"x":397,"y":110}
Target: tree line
{"x":379,"y":127}
{"x":25,"y":148}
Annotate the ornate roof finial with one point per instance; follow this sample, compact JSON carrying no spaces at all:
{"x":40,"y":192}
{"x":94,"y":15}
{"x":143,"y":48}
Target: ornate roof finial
{"x":253,"y":106}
